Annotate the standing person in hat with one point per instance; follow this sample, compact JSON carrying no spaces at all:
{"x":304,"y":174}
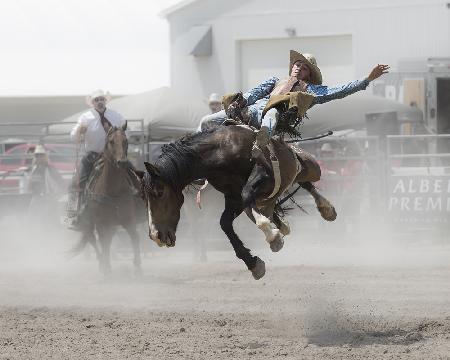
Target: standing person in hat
{"x":45,"y":185}
{"x":90,"y":127}
{"x":214,"y":103}
{"x":215,"y":106}
{"x":44,"y":179}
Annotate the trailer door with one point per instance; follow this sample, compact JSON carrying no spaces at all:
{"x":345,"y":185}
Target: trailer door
{"x":443,"y":105}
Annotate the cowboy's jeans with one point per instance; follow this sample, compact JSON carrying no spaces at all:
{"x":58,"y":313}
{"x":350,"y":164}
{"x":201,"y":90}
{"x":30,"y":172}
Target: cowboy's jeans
{"x":76,"y":196}
{"x":270,"y":120}
{"x":212,"y":120}
{"x":86,"y":166}
{"x":254,"y":111}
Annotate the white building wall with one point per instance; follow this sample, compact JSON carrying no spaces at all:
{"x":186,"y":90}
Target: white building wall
{"x":381,"y":32}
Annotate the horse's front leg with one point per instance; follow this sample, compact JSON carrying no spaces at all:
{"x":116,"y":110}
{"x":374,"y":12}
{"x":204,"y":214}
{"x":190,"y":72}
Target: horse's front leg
{"x":135,"y":244}
{"x":256,"y":187}
{"x":233,"y":209}
{"x":105,"y":238}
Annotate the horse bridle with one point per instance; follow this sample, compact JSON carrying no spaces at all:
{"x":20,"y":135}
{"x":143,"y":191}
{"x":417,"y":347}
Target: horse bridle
{"x":108,"y":134}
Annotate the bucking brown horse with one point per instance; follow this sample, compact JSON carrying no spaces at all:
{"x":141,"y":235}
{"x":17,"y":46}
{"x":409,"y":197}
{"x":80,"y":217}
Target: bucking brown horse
{"x":223,"y":156}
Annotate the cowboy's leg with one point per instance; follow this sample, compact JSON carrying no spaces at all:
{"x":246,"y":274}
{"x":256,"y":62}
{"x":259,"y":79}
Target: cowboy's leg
{"x":212,"y":120}
{"x":268,"y":124}
{"x":269,"y":121}
{"x":86,"y":166}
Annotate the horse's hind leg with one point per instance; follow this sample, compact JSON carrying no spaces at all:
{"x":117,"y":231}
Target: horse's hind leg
{"x":135,"y":244}
{"x":232,"y":210}
{"x":90,"y":238}
{"x":325,"y":208}
{"x":256,"y":187}
{"x":310,"y":172}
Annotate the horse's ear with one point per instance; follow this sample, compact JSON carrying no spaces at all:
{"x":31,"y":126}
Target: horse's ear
{"x":152,"y":169}
{"x":124,"y":127}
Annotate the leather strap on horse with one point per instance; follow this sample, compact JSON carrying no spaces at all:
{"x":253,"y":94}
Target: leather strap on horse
{"x":198,"y":198}
{"x":277,"y":177}
{"x":277,"y":173}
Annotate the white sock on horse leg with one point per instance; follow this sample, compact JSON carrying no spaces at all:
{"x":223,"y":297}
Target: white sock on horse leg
{"x":269,"y":229}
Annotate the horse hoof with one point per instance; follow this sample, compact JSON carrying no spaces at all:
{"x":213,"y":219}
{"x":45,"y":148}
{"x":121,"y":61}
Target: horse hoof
{"x":259,"y":269}
{"x":328,"y":212}
{"x":277,"y":244}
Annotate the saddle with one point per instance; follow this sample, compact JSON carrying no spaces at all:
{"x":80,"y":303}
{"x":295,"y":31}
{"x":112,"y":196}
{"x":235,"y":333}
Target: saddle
{"x":95,"y":173}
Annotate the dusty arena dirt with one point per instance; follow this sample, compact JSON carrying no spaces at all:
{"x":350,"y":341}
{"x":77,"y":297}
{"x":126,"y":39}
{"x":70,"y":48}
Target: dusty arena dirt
{"x":313,"y":303}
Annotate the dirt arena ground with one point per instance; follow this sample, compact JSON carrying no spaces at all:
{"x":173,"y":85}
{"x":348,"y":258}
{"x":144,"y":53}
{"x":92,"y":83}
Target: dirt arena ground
{"x":317,"y":301}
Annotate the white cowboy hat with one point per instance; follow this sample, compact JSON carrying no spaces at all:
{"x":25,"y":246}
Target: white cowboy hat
{"x":214,"y":98}
{"x":310,"y":61}
{"x":96,"y":94}
{"x":39,"y":149}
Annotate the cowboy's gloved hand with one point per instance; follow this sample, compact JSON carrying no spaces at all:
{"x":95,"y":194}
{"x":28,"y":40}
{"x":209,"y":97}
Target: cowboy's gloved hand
{"x":234,"y":110}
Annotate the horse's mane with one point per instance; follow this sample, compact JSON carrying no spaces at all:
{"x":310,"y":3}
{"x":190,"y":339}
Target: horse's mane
{"x":175,"y":161}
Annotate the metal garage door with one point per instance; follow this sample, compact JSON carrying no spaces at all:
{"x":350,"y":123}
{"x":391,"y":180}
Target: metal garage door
{"x":260,"y":59}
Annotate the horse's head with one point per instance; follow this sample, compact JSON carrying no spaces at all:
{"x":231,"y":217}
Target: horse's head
{"x":163,"y":203}
{"x":116,"y":145}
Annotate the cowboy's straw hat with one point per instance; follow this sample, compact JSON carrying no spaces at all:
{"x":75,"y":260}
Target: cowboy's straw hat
{"x":310,"y":61}
{"x":96,"y":94}
{"x":39,"y":149}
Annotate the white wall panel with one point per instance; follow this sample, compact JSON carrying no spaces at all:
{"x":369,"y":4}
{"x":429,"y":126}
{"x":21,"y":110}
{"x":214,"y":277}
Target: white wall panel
{"x":384,"y":31}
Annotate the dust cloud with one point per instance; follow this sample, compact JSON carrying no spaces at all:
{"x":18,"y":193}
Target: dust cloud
{"x":330,"y":291}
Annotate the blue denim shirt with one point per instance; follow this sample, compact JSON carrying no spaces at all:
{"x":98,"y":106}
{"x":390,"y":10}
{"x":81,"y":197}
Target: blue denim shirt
{"x":258,"y":97}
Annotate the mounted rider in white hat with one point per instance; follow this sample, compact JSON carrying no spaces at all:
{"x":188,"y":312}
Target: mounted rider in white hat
{"x":91,"y":128}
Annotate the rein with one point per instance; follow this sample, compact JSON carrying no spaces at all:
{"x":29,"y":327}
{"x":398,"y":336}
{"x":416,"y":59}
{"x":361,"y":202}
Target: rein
{"x":310,"y":138}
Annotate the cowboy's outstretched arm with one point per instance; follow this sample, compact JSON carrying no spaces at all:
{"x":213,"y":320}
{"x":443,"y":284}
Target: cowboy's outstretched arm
{"x":325,"y":94}
{"x":261,"y":91}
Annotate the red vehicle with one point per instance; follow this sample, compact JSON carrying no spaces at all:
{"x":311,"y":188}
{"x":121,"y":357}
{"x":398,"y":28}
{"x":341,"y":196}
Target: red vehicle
{"x":60,"y":156}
